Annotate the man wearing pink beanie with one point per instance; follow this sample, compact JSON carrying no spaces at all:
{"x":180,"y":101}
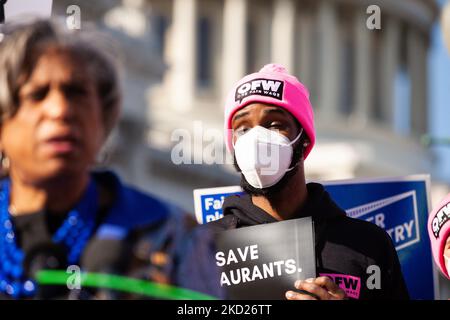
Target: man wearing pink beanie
{"x":269,"y":125}
{"x":439,"y":233}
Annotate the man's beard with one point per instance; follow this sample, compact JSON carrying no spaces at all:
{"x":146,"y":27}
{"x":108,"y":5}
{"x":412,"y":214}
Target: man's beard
{"x":272,"y":191}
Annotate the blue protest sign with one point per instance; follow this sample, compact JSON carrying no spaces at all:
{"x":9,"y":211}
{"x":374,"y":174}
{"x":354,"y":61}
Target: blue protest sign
{"x":208,"y":202}
{"x":400,"y":206}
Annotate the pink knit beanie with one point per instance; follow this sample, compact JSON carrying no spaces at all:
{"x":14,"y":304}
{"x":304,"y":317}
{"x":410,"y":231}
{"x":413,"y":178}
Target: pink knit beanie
{"x":272,"y":85}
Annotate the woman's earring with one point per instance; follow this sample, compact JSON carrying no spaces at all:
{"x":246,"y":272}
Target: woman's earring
{"x":4,"y":162}
{"x":102,"y":158}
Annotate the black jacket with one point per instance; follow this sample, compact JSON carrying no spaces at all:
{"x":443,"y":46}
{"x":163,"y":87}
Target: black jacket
{"x":343,"y":245}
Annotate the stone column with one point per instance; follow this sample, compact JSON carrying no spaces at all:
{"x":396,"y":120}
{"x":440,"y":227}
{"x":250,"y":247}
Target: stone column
{"x":417,"y":67}
{"x":329,"y":61}
{"x":389,"y":65}
{"x":283,"y":31}
{"x":306,"y":42}
{"x":363,"y":68}
{"x":234,"y":43}
{"x":182,"y":55}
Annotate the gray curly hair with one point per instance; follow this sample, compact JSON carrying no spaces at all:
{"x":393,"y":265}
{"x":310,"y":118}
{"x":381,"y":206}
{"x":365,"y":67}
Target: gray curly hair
{"x":24,"y":43}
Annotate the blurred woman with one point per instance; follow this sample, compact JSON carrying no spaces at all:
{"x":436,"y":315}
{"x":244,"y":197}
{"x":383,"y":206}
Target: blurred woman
{"x":59,"y":100}
{"x":439,"y":233}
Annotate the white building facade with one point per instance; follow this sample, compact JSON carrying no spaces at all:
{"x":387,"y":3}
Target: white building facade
{"x":368,"y":87}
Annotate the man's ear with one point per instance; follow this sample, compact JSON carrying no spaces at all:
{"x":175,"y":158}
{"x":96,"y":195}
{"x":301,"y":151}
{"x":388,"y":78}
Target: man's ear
{"x":306,"y":142}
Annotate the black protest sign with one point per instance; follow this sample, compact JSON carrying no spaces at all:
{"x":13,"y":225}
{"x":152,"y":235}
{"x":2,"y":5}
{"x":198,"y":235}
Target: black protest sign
{"x":264,"y":261}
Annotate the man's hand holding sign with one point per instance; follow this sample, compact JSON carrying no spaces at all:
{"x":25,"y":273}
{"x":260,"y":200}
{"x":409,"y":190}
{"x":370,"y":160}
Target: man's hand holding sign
{"x":321,"y":288}
{"x":274,"y":256}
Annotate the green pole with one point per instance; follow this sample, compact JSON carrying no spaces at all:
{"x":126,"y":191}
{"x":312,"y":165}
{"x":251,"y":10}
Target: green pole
{"x":121,"y":283}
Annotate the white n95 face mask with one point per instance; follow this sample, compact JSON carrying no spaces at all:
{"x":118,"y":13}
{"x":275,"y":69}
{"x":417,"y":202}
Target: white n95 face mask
{"x":264,"y":156}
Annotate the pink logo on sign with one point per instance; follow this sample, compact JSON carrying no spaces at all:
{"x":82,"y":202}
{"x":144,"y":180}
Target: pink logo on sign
{"x":350,"y":284}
